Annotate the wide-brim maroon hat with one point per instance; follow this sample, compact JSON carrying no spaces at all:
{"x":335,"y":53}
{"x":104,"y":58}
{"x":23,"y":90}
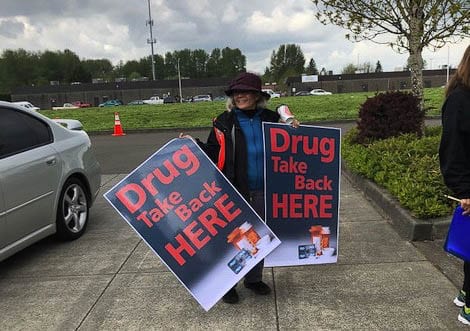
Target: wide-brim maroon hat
{"x":246,"y":81}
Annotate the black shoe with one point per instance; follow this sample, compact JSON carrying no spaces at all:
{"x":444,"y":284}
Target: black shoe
{"x":259,"y":288}
{"x":231,"y":296}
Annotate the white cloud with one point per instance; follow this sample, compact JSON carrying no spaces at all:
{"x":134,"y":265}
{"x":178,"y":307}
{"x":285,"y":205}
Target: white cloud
{"x":280,"y":21}
{"x":115,"y":29}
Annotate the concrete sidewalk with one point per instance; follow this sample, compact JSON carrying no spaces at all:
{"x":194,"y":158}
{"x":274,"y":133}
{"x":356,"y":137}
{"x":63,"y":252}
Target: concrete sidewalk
{"x":110,"y":280}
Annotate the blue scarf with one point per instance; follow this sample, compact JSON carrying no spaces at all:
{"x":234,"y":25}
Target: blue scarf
{"x":252,"y":130}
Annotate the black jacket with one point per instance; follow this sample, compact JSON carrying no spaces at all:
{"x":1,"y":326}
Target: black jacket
{"x":454,"y":150}
{"x":235,"y":160}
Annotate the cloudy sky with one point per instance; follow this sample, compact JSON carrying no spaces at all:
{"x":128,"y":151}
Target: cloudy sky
{"x":116,"y":30}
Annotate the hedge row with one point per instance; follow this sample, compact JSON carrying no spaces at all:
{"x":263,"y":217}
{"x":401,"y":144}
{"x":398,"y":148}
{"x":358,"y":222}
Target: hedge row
{"x":407,"y":166}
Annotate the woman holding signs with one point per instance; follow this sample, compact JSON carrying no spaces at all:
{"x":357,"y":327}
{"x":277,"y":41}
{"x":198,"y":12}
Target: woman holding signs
{"x":236,"y":146}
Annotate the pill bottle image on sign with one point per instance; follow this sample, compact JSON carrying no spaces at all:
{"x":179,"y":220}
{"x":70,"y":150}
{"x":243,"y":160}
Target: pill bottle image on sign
{"x":325,"y":237}
{"x":244,"y":237}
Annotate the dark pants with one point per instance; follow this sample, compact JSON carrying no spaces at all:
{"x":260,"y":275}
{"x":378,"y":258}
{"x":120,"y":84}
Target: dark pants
{"x":466,"y":282}
{"x":256,"y":200}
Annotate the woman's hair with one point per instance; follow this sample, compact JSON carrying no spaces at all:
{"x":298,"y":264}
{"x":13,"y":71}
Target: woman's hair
{"x":462,"y":75}
{"x":262,"y":102}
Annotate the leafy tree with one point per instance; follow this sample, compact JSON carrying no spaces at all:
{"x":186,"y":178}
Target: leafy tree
{"x":70,"y":63}
{"x":349,"y":69}
{"x":366,"y":67}
{"x":118,"y":70}
{"x":413,"y":24}
{"x":145,"y":66}
{"x":134,"y":76}
{"x":199,"y":58}
{"x":198,"y":64}
{"x":232,"y":62}
{"x":49,"y":68}
{"x":171,"y":65}
{"x":98,"y":68}
{"x":378,"y":67}
{"x":311,"y":69}
{"x":18,"y":68}
{"x":130,"y":67}
{"x":267,"y":76}
{"x":185,"y":63}
{"x":288,"y":57}
{"x":79,"y":74}
{"x":214,"y":63}
{"x":159,"y":67}
{"x":225,"y":63}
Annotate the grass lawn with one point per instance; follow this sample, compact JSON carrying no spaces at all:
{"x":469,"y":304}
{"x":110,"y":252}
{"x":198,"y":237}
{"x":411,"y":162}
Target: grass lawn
{"x":190,"y":115}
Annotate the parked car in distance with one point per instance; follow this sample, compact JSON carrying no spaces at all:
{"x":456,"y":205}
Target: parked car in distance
{"x":201,"y":98}
{"x":28,"y":105}
{"x":169,"y":99}
{"x":220,"y":98}
{"x":271,"y":93}
{"x":111,"y":103}
{"x":50,"y":179}
{"x":136,"y":102}
{"x":302,"y":94}
{"x":66,"y":105}
{"x":319,"y":91}
{"x":81,"y":104}
{"x":155,"y":100}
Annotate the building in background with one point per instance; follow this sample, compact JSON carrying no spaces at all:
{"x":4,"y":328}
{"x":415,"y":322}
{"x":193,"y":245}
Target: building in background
{"x":95,"y":93}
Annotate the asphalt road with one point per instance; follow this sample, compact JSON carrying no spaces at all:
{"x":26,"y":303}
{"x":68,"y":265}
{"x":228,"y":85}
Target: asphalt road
{"x":120,"y":155}
{"x":110,"y":280}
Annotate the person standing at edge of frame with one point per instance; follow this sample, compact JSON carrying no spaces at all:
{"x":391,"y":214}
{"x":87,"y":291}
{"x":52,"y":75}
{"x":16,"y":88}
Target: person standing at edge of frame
{"x":235,"y":145}
{"x":454,"y":156}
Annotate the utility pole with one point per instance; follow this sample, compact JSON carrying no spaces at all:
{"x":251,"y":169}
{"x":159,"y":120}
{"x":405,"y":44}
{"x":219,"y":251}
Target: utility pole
{"x":448,"y":65}
{"x":151,"y":40}
{"x":179,"y":81}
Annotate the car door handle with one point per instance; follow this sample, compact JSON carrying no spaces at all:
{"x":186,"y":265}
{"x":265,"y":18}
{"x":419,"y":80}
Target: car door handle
{"x":51,"y":161}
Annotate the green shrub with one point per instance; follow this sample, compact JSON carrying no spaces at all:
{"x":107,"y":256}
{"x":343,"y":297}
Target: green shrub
{"x":407,"y":166}
{"x":389,"y":115}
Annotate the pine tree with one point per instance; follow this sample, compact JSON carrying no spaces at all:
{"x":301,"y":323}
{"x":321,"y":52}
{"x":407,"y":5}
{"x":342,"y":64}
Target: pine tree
{"x":378,"y":67}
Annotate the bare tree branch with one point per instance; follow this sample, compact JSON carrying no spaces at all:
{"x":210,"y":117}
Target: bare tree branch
{"x":410,"y":25}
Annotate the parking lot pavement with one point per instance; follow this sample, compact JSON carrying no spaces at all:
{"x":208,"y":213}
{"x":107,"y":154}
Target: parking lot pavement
{"x":110,"y":280}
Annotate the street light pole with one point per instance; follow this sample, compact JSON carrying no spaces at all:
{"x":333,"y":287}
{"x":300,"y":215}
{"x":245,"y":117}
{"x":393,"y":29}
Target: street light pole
{"x":151,"y":40}
{"x":179,"y":81}
{"x":448,"y":65}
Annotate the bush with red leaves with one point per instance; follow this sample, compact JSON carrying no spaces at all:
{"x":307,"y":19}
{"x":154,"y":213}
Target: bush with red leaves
{"x":389,"y":115}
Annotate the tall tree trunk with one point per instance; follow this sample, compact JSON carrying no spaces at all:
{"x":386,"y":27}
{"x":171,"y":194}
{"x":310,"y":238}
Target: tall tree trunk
{"x":416,"y":71}
{"x":415,"y":47}
{"x":416,"y":68}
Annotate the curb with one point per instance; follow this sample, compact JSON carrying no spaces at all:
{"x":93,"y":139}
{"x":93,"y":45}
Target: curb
{"x":208,"y":128}
{"x":149,"y":130}
{"x":407,"y":226}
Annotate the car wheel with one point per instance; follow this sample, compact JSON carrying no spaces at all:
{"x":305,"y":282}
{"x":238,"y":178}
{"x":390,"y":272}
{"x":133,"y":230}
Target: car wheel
{"x":72,"y":210}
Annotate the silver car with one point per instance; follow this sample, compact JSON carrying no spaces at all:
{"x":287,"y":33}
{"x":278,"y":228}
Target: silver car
{"x":319,"y":91}
{"x":49,"y":179}
{"x":202,"y":97}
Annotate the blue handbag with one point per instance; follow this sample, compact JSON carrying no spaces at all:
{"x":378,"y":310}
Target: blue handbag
{"x":458,"y":237}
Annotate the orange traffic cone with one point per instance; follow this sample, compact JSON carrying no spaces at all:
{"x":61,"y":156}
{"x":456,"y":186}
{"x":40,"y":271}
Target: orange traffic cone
{"x":117,"y":126}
